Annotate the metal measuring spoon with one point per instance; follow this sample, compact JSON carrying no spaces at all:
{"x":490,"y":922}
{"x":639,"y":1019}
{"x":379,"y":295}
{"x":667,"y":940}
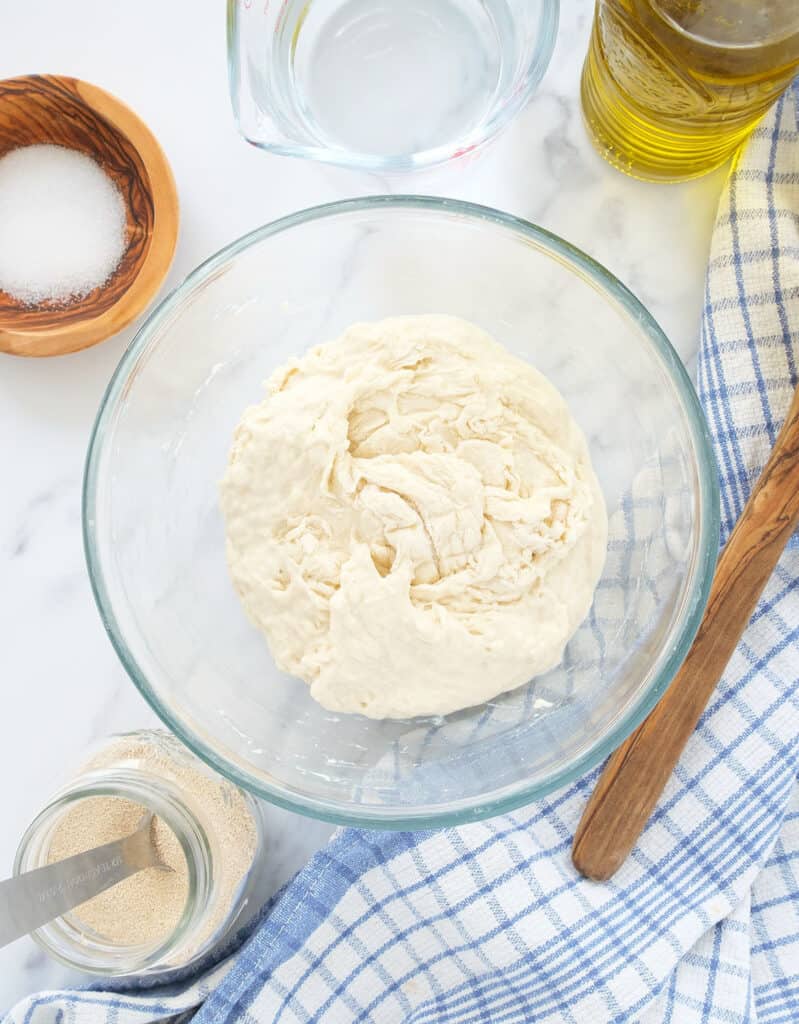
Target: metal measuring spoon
{"x":32,"y":899}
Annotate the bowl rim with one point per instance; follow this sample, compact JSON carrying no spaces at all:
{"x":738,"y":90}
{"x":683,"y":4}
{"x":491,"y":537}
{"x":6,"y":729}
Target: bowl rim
{"x":693,"y":601}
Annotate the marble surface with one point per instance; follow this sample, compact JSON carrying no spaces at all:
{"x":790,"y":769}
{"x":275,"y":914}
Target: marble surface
{"x":62,"y":682}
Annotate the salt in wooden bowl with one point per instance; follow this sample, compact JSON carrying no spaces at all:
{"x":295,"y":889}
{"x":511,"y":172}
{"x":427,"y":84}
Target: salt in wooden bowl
{"x":61,"y":111}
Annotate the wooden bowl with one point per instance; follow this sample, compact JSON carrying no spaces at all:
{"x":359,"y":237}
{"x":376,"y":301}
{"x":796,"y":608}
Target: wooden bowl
{"x":71,"y":113}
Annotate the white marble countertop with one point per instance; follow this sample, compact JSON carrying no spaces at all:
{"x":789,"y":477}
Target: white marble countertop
{"x":63,"y":684}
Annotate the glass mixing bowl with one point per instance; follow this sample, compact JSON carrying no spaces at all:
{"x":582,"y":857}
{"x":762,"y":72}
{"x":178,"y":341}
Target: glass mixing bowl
{"x":154,"y":535}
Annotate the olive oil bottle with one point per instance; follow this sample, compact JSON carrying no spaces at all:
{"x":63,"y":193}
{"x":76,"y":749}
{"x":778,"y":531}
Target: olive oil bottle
{"x":670,"y":88}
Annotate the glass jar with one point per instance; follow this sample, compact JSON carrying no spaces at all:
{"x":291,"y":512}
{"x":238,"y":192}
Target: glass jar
{"x":152,"y":769}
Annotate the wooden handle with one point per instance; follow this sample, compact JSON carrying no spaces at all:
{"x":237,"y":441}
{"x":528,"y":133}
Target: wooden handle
{"x":638,"y":771}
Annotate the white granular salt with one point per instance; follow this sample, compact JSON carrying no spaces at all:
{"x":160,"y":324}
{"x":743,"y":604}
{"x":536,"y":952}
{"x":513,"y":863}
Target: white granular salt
{"x":62,"y":225}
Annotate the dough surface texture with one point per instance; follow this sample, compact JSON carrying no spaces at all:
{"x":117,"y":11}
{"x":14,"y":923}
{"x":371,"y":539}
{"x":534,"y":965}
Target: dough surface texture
{"x":412,"y":519}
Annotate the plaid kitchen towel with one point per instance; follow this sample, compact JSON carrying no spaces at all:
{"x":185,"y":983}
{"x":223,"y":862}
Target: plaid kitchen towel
{"x":489,"y":922}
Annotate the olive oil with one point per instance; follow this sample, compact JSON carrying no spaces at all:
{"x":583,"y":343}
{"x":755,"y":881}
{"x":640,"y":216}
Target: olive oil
{"x":670,"y":88}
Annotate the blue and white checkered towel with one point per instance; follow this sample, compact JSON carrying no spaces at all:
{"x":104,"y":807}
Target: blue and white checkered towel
{"x":489,"y":922}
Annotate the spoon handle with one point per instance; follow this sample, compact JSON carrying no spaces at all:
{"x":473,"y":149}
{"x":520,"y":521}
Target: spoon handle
{"x":30,"y":900}
{"x":638,"y":771}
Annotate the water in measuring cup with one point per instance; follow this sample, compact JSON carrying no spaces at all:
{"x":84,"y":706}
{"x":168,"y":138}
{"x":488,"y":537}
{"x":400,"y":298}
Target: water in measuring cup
{"x":398,"y":77}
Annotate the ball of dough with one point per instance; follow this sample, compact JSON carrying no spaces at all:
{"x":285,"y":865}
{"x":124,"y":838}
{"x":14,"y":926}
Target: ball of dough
{"x":412,"y":519}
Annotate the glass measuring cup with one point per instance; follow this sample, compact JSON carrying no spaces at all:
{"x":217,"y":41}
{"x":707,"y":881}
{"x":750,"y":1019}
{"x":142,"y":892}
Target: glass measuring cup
{"x":384,"y":85}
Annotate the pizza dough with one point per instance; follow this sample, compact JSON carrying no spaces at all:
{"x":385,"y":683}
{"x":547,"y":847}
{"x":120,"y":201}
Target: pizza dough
{"x":412,"y":519}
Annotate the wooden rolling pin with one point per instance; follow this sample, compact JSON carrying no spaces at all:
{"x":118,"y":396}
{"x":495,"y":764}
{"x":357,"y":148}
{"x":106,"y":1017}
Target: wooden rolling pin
{"x":638,"y":771}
